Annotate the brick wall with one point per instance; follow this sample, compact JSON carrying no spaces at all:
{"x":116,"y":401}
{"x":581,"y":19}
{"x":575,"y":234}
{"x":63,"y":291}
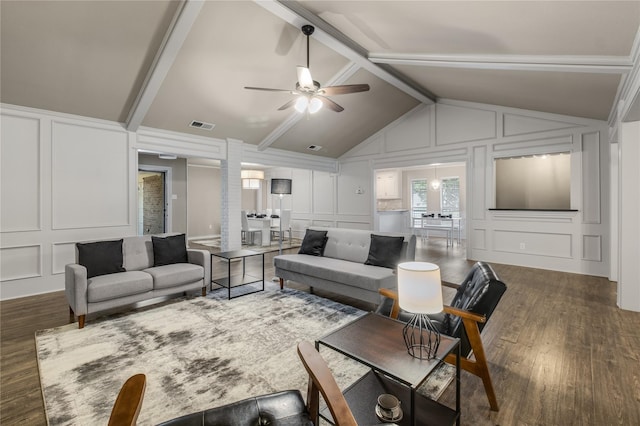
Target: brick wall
{"x":153,"y":198}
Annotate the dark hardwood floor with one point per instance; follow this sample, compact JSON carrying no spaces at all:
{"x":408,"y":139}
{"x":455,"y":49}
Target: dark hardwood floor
{"x":560,"y":351}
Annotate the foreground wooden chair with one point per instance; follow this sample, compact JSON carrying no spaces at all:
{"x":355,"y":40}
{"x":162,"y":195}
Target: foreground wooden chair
{"x":286,"y":407}
{"x":127,"y":406}
{"x":474,"y":302}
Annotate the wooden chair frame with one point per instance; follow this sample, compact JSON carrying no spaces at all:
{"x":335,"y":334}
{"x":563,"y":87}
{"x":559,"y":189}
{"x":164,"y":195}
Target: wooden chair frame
{"x":321,"y":381}
{"x":127,"y":407}
{"x":470,"y":320}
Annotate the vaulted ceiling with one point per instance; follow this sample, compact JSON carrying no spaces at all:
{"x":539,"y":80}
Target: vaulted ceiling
{"x":162,"y":64}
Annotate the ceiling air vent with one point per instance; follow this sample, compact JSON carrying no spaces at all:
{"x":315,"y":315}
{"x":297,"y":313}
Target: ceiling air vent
{"x":314,"y":147}
{"x":201,"y":125}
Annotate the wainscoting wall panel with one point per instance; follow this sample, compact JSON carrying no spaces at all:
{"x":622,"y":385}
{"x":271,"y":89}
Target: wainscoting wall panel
{"x":591,"y":178}
{"x":20,"y":262}
{"x":534,"y":243}
{"x":592,"y":248}
{"x":323,"y":193}
{"x":62,"y":254}
{"x":90,"y":179}
{"x":479,"y":124}
{"x":517,"y":125}
{"x":20,"y":191}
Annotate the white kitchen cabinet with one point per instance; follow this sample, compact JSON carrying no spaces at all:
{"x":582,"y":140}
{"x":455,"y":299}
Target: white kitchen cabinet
{"x":389,"y":185}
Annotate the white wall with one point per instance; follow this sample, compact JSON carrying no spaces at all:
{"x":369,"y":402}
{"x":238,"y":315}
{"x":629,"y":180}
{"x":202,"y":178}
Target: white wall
{"x":477,"y":134}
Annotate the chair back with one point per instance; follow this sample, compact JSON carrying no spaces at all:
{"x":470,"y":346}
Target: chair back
{"x":245,"y":221}
{"x":479,"y":293}
{"x":126,"y":409}
{"x":322,"y":381}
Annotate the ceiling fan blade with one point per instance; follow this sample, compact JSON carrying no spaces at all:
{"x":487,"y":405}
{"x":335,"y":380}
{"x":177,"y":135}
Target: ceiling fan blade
{"x":288,"y":104}
{"x":304,"y":77}
{"x":344,"y":89}
{"x":330,"y":104}
{"x":265,"y":89}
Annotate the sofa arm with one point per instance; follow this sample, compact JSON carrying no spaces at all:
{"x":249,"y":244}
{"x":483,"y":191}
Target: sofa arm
{"x":202,"y":258}
{"x":75,"y":288}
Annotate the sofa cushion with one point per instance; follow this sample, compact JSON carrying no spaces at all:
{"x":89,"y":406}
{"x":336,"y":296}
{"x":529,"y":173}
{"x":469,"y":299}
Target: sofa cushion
{"x":341,"y":271}
{"x":313,"y":243}
{"x":101,"y":257}
{"x":175,"y":274}
{"x":113,"y":286}
{"x":138,"y":252}
{"x":169,"y":250}
{"x":385,"y":251}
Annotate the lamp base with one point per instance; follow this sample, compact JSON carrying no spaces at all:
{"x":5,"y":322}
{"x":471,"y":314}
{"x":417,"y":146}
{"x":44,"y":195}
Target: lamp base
{"x":421,"y":337}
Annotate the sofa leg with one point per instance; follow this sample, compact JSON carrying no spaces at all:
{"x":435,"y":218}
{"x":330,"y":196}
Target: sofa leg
{"x":204,"y":291}
{"x":72,"y":316}
{"x":81,"y":321}
{"x":281,"y":283}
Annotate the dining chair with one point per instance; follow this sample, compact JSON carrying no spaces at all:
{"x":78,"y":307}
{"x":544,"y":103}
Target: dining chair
{"x":248,"y":233}
{"x":127,"y":407}
{"x":285,"y":220}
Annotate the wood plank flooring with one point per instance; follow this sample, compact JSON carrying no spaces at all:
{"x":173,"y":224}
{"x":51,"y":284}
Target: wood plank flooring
{"x":560,"y":351}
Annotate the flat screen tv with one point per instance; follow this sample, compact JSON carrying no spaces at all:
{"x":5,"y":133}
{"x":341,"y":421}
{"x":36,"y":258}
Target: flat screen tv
{"x":540,"y":182}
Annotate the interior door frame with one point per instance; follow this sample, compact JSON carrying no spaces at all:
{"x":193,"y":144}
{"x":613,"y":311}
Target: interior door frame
{"x":168,"y":178}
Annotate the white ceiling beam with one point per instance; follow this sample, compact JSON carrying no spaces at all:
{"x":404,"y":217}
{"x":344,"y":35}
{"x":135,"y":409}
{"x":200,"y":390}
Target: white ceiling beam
{"x":296,"y":15}
{"x":560,"y":63}
{"x":341,"y":77}
{"x":175,"y":36}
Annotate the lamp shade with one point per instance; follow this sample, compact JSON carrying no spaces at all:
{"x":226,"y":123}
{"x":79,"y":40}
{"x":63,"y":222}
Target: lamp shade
{"x":281,"y":186}
{"x":419,"y":287}
{"x":252,"y":174}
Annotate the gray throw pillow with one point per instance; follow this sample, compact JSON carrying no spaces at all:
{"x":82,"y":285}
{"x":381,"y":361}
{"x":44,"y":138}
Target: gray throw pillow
{"x":385,"y":251}
{"x":101,"y":257}
{"x":313,"y":243}
{"x":169,"y":250}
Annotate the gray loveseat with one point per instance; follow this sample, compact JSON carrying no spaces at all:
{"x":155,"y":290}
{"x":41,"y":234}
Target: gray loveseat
{"x":341,"y":268}
{"x":138,"y":280}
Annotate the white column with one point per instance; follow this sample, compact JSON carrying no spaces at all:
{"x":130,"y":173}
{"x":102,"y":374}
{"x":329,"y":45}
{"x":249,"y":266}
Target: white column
{"x":231,"y":197}
{"x":629,"y":216}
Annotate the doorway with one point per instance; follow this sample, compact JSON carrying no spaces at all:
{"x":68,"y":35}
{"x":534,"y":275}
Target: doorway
{"x":154,"y":205}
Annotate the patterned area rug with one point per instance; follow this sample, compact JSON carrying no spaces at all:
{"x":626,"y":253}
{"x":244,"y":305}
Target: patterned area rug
{"x":197,"y":353}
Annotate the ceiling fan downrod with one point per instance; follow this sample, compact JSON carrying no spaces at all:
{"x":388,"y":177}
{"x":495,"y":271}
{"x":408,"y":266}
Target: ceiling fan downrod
{"x":307,"y":30}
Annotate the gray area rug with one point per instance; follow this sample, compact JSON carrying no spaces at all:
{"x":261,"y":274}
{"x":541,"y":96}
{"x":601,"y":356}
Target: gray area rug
{"x":197,"y":353}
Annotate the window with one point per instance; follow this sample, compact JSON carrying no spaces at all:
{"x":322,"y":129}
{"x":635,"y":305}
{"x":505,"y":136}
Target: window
{"x":451,"y":196}
{"x":418,"y":200}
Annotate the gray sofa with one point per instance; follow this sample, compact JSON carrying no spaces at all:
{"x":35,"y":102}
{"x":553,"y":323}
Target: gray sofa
{"x":140,"y":281}
{"x":341,"y":269}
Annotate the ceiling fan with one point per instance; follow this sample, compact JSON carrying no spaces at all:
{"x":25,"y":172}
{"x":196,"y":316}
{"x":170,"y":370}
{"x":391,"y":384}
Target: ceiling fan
{"x":310,"y":95}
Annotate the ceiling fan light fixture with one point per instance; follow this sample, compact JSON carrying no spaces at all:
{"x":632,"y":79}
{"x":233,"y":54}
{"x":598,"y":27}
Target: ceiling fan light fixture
{"x":315,"y":105}
{"x":301,"y":104}
{"x":304,"y":78}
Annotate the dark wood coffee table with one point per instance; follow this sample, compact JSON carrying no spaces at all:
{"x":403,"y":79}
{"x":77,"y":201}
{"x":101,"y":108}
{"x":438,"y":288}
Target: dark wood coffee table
{"x":377,"y":342}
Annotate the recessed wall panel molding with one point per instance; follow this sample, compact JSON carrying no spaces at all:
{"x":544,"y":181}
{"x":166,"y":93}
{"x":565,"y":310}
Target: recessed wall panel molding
{"x":372,"y":146}
{"x":62,"y":254}
{"x":411,"y":133}
{"x":591,"y":178}
{"x":479,"y":239}
{"x":592,"y":248}
{"x":456,"y":124}
{"x":20,"y":180}
{"x":90,"y":177}
{"x":478,"y":183}
{"x":323,"y":193}
{"x":351,"y":177}
{"x":353,"y":225}
{"x":515,"y":125}
{"x":531,"y":216}
{"x":533,"y":243}
{"x":534,"y":146}
{"x":20,"y":262}
{"x":325,"y":223}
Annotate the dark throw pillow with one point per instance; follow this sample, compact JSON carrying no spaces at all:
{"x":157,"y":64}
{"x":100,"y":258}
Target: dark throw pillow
{"x":313,"y":242}
{"x":385,"y":251}
{"x":101,"y":257}
{"x":169,"y":250}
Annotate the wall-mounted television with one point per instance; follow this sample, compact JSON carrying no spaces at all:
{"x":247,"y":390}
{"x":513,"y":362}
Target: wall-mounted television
{"x":534,"y":182}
